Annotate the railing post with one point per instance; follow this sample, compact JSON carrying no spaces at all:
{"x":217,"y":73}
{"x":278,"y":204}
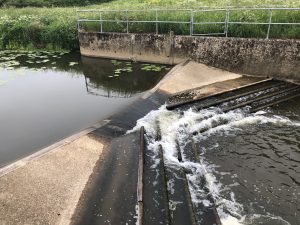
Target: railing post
{"x":127,"y":24}
{"x":226,"y":23}
{"x":270,"y":21}
{"x":156,"y":23}
{"x":191,"y":23}
{"x":101,"y":25}
{"x":78,"y":22}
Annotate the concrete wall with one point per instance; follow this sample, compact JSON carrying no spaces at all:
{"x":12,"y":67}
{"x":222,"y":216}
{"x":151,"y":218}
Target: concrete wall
{"x":276,"y":58}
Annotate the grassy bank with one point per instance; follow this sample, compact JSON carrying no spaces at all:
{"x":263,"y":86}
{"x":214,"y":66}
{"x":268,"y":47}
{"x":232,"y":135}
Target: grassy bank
{"x":50,"y":28}
{"x":47,"y":3}
{"x":55,"y":28}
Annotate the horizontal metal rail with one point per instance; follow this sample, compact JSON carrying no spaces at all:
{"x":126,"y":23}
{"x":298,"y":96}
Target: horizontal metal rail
{"x":191,"y":19}
{"x":135,"y":21}
{"x":195,"y":10}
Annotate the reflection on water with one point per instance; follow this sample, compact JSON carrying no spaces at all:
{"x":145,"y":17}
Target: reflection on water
{"x":104,"y":82}
{"x":47,"y":96}
{"x":100,"y":74}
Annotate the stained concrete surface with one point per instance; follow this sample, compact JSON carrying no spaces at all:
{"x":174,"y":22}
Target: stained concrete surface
{"x":193,"y":75}
{"x":207,"y":90}
{"x":108,"y":198}
{"x":260,"y":57}
{"x":111,"y":196}
{"x":46,"y":189}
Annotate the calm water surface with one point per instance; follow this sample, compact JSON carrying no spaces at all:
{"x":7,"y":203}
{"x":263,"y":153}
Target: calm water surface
{"x":46,"y":97}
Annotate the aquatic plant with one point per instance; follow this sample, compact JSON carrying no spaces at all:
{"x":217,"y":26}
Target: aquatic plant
{"x":73,"y":63}
{"x":153,"y":67}
{"x":115,"y":62}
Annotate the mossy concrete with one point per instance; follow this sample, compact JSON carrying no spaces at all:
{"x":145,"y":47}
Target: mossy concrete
{"x":261,"y":57}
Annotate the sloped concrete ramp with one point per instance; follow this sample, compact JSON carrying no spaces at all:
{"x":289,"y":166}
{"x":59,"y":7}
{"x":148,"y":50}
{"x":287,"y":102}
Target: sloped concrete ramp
{"x":93,"y":171}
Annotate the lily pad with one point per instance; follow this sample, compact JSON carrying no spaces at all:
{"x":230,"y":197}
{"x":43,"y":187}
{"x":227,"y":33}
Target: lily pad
{"x":148,"y":67}
{"x":115,"y":62}
{"x":73,"y":63}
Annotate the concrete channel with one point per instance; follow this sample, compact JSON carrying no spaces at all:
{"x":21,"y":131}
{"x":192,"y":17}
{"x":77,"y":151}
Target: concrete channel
{"x":101,"y":175}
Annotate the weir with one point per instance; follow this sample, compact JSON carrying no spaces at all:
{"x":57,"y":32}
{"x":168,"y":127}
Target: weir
{"x":156,"y":160}
{"x":170,"y":175}
{"x":175,"y":185}
{"x":160,"y":41}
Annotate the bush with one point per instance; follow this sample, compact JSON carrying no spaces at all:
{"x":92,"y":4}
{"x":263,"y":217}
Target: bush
{"x":55,"y":28}
{"x":48,"y":3}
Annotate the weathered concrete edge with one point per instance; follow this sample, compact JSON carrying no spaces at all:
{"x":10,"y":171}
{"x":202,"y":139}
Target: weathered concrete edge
{"x":91,"y":203}
{"x":278,"y":58}
{"x":23,"y":161}
{"x":54,"y":147}
{"x":162,"y":81}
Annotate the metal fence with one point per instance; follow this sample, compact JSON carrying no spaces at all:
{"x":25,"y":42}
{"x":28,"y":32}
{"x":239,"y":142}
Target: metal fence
{"x":191,"y":21}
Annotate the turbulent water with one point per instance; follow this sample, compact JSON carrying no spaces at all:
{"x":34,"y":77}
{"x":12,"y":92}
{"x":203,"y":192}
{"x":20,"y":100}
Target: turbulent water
{"x":250,"y":161}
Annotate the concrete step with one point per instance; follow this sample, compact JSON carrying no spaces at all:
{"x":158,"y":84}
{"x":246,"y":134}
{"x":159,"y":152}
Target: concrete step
{"x":181,"y":102}
{"x":111,"y":195}
{"x":180,"y":204}
{"x":258,"y":95}
{"x":156,"y":200}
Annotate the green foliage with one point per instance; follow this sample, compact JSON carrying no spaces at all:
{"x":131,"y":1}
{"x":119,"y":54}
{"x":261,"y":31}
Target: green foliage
{"x":234,"y":30}
{"x":121,"y":67}
{"x":48,"y":3}
{"x":55,"y":28}
{"x":50,"y":29}
{"x":153,"y":67}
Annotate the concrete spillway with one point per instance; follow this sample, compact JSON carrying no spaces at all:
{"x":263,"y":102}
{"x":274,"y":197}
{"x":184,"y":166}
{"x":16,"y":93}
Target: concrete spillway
{"x":167,"y":197}
{"x":99,"y":182}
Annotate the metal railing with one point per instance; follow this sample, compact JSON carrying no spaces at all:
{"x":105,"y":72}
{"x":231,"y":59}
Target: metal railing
{"x":191,"y":22}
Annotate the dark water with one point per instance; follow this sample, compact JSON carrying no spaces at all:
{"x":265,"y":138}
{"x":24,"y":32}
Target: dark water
{"x":46,"y":96}
{"x":260,"y":164}
{"x":250,"y":161}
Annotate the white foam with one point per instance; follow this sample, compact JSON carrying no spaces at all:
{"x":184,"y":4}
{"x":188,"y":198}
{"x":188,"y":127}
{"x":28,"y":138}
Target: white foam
{"x":229,"y":220}
{"x":178,"y":129}
{"x":255,"y":219}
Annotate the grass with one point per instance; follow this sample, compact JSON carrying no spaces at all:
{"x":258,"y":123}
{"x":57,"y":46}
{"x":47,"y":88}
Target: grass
{"x":55,"y":27}
{"x":47,"y":3}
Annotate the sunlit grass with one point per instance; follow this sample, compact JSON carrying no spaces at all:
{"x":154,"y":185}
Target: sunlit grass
{"x":55,"y":28}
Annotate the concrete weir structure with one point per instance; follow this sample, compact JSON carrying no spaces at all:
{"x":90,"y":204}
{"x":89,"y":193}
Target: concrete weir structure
{"x":261,"y":57}
{"x":91,"y":177}
{"x":70,"y":181}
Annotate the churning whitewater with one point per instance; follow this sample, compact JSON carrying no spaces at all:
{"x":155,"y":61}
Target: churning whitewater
{"x":180,"y":128}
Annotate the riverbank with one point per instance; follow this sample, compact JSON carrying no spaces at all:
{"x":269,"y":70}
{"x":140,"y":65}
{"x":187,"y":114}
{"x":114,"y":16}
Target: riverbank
{"x":55,"y":28}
